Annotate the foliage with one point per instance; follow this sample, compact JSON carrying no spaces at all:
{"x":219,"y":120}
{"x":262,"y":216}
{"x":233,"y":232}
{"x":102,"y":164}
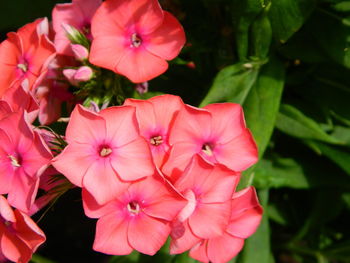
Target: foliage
{"x":287,"y":62}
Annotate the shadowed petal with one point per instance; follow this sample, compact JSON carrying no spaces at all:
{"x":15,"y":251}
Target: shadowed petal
{"x":147,"y":234}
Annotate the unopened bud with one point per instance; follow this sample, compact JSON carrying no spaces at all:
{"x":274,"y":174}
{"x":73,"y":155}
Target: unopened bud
{"x":81,"y":53}
{"x":84,"y":73}
{"x":142,"y":88}
{"x":74,"y":35}
{"x":69,"y":74}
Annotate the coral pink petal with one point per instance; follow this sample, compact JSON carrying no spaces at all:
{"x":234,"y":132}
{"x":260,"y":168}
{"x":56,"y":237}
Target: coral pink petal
{"x":144,"y":15}
{"x":93,"y":209}
{"x":228,"y":120}
{"x":180,"y":156}
{"x":165,"y":107}
{"x":121,"y":123}
{"x":139,"y":65}
{"x":210,"y":220}
{"x":5,"y":109}
{"x":107,"y":51}
{"x":147,"y":234}
{"x":224,"y":248}
{"x":199,"y":252}
{"x":42,"y":55}
{"x":185,"y":242}
{"x":12,"y":247}
{"x":213,"y":183}
{"x":74,"y":161}
{"x":145,"y":115}
{"x":23,"y":191}
{"x":87,"y":7}
{"x":6,"y":211}
{"x":191,"y":124}
{"x":162,"y":201}
{"x":167,"y":40}
{"x":238,"y":154}
{"x":188,"y":210}
{"x":28,"y":231}
{"x":246,"y":214}
{"x":124,"y":162}
{"x":102,"y":182}
{"x":38,"y":156}
{"x":111,"y":235}
{"x":85,"y":126}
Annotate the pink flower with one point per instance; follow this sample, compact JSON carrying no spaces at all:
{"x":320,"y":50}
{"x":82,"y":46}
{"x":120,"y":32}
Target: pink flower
{"x":19,"y":99}
{"x":75,"y":76}
{"x":135,"y":38}
{"x":104,"y":151}
{"x":23,"y":156}
{"x":154,"y":117}
{"x":208,"y":190}
{"x":245,"y":218}
{"x":20,"y":236}
{"x":217,"y":132}
{"x":25,"y":55}
{"x":137,"y":219}
{"x":77,"y":14}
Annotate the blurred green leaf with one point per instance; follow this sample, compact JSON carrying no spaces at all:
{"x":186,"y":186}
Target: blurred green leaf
{"x":294,"y":123}
{"x":287,"y":17}
{"x":244,"y":13}
{"x":281,"y":172}
{"x":339,"y":251}
{"x":232,"y":83}
{"x":262,"y":104}
{"x":339,"y":155}
{"x":343,"y":6}
{"x":36,"y":258}
{"x":261,"y":34}
{"x":331,"y":35}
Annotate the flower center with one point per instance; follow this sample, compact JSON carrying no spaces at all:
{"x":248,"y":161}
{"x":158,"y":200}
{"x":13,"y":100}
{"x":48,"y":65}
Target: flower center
{"x":23,"y":67}
{"x":156,"y":140}
{"x":134,"y":207}
{"x":207,"y":149}
{"x":14,"y":161}
{"x":105,"y":151}
{"x":136,"y":40}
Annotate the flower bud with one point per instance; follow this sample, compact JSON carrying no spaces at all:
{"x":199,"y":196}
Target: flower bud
{"x":81,"y":53}
{"x":142,"y":88}
{"x":84,"y":73}
{"x":74,"y":35}
{"x":69,"y":74}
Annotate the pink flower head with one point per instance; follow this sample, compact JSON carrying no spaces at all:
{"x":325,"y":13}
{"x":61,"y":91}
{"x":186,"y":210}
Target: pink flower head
{"x":25,"y":55}
{"x":139,"y":218}
{"x":77,"y":14}
{"x":23,"y":156}
{"x":135,"y":38}
{"x":155,"y":116}
{"x":20,"y":236}
{"x":208,"y":190}
{"x":104,"y":150}
{"x":246,"y":215}
{"x":217,"y":132}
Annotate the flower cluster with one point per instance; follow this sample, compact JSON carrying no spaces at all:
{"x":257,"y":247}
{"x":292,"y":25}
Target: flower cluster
{"x":148,"y":169}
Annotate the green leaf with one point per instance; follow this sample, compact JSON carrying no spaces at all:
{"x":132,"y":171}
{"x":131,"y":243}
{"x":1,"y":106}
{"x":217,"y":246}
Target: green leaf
{"x":233,"y":83}
{"x":261,"y":34}
{"x":262,"y":104}
{"x":343,"y":6}
{"x":331,"y":35}
{"x":339,"y":155}
{"x":287,"y":17}
{"x":294,"y":123}
{"x":280,"y":172}
{"x":257,"y":247}
{"x":244,"y":13}
{"x":36,"y":258}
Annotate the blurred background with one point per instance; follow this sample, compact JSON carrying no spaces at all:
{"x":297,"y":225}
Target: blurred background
{"x":287,"y":62}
